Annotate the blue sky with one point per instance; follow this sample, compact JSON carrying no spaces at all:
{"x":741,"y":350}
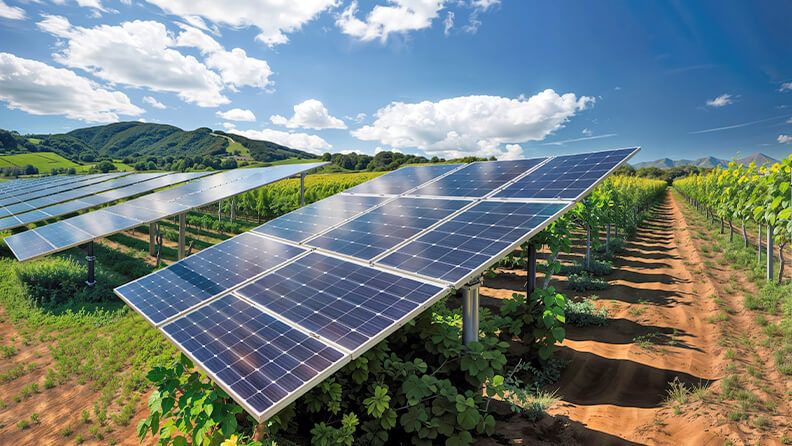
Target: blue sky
{"x":509,"y":78}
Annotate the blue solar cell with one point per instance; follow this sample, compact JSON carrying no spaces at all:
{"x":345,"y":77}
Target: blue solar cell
{"x":375,"y":232}
{"x":566,"y":177}
{"x":260,"y":360}
{"x":63,"y":235}
{"x":201,"y":276}
{"x":53,"y":189}
{"x":477,"y":179}
{"x":310,"y":220}
{"x":101,"y":223}
{"x":341,"y":301}
{"x":468,"y":241}
{"x":403,"y":179}
{"x":28,"y":245}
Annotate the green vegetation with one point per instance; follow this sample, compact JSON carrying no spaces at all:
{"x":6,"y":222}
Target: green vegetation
{"x":584,"y":313}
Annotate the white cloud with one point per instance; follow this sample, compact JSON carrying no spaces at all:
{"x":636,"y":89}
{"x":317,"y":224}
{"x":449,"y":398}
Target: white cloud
{"x":154,"y":103}
{"x":484,"y":4}
{"x":193,"y":37}
{"x":239,"y":70}
{"x":351,"y":151}
{"x":587,"y":132}
{"x":448,"y":23}
{"x":789,"y":121}
{"x":237,"y":114}
{"x":472,"y":125}
{"x":40,"y":89}
{"x":274,"y":18}
{"x":587,"y":138}
{"x":229,"y":126}
{"x":513,"y":152}
{"x":360,"y":117}
{"x":721,"y":101}
{"x":106,"y":51}
{"x":786,"y":86}
{"x":11,"y":12}
{"x":400,"y":16}
{"x":301,"y":141}
{"x":783,"y":139}
{"x":310,"y":114}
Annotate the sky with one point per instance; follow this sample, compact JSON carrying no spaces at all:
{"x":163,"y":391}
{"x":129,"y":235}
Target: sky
{"x":448,"y":78}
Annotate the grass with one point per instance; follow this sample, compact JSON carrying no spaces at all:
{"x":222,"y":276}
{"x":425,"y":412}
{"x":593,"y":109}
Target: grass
{"x":646,"y":341}
{"x":44,"y":161}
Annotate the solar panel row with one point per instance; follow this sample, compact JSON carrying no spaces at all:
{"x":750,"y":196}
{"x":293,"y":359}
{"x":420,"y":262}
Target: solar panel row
{"x":25,"y":186}
{"x":53,"y":189}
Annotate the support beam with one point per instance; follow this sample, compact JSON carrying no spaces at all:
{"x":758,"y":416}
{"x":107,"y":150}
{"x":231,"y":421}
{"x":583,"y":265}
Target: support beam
{"x":770,"y":253}
{"x":91,"y":259}
{"x":233,"y":209}
{"x":302,"y":189}
{"x":530,"y":285}
{"x":152,"y":237}
{"x":182,"y":228}
{"x":470,"y":312}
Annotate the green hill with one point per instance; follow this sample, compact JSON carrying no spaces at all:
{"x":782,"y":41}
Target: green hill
{"x":123,"y":139}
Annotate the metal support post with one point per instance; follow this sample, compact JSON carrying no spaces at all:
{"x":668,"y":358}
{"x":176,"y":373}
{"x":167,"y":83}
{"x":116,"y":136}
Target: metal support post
{"x":152,"y":236}
{"x":91,"y":259}
{"x":302,"y":189}
{"x":530,"y":285}
{"x":182,"y":227}
{"x":233,"y":209}
{"x":470,"y":312}
{"x":769,"y":253}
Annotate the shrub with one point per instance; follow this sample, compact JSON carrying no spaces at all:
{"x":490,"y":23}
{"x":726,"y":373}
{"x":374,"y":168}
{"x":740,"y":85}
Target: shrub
{"x":584,"y":282}
{"x":584,"y":313}
{"x":57,"y":280}
{"x":595,"y":268}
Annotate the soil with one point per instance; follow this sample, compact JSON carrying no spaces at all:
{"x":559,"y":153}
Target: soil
{"x":614,"y":387}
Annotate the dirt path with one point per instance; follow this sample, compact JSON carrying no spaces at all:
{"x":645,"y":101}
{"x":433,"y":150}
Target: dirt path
{"x":660,"y":330}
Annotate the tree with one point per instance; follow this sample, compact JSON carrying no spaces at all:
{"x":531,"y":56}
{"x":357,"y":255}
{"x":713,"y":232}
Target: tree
{"x":106,"y":166}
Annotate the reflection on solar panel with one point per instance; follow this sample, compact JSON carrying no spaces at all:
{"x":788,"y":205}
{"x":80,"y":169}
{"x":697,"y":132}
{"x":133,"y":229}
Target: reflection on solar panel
{"x":346,"y":303}
{"x":60,"y":197}
{"x":204,"y":275}
{"x":477,"y":179}
{"x":567,"y":177}
{"x":375,"y":232}
{"x":29,"y":185}
{"x":402,"y":180}
{"x":260,"y":361}
{"x":466,"y":243}
{"x":310,"y":220}
{"x":98,"y":199}
{"x":84,"y":228}
{"x":53,"y":189}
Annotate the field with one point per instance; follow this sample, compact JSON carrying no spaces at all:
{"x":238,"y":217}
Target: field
{"x":46,"y":161}
{"x":655,"y":328}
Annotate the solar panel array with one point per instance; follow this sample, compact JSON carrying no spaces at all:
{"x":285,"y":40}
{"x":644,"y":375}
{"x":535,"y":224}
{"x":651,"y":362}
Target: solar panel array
{"x":50,"y":189}
{"x":273,"y":312}
{"x":86,"y":227}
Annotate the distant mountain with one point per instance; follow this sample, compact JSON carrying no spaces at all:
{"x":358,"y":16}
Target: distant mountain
{"x":706,"y":162}
{"x":123,"y":139}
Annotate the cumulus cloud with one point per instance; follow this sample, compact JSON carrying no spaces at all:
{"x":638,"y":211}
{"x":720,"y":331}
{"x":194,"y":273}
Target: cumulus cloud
{"x":400,"y":16}
{"x":193,"y":37}
{"x":310,"y":114}
{"x":237,"y":114}
{"x":11,"y":12}
{"x":273,"y":18}
{"x":229,"y":126}
{"x":721,"y":101}
{"x":40,"y":89}
{"x":472,"y":125}
{"x":154,"y":103}
{"x":239,"y":70}
{"x":783,"y":139}
{"x":301,"y":141}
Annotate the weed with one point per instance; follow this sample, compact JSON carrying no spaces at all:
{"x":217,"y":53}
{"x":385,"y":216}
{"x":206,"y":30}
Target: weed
{"x":646,"y":341}
{"x":721,"y":316}
{"x":585,"y":282}
{"x":35,"y":418}
{"x":79,"y":439}
{"x":86,"y":417}
{"x":676,"y":392}
{"x":66,"y":431}
{"x":730,"y":354}
{"x":762,"y":422}
{"x":584,"y":313}
{"x":7,"y":351}
{"x":538,"y":404}
{"x":23,"y":424}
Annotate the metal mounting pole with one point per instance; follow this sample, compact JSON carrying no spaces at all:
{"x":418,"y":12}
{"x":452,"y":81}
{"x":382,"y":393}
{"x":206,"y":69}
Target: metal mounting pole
{"x":530,"y":286}
{"x":470,"y":312}
{"x":233,"y":209}
{"x":152,"y":236}
{"x":182,"y":227}
{"x":302,"y":189}
{"x":91,"y":259}
{"x":769,"y":253}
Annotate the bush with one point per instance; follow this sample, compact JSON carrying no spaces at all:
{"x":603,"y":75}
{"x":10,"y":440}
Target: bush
{"x":585,"y":282}
{"x":584,"y":313}
{"x":596,"y":268}
{"x":616,"y":245}
{"x":58,"y":280}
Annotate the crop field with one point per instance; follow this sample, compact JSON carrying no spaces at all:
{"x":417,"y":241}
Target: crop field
{"x":46,"y":161}
{"x":650,"y":321}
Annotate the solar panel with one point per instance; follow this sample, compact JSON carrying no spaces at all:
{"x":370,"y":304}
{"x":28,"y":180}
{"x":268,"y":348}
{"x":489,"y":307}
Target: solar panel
{"x":153,"y":207}
{"x":374,"y":232}
{"x":467,"y":242}
{"x":29,"y":185}
{"x":61,"y":197}
{"x":199,"y":277}
{"x":58,"y":188}
{"x":310,"y":220}
{"x":349,"y":304}
{"x":402,"y":180}
{"x":99,"y":199}
{"x":477,"y":179}
{"x":567,"y":177}
{"x":263,"y":363}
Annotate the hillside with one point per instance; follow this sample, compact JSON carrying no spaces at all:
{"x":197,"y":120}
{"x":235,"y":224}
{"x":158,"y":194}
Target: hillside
{"x":705,"y":162}
{"x":123,"y":139}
